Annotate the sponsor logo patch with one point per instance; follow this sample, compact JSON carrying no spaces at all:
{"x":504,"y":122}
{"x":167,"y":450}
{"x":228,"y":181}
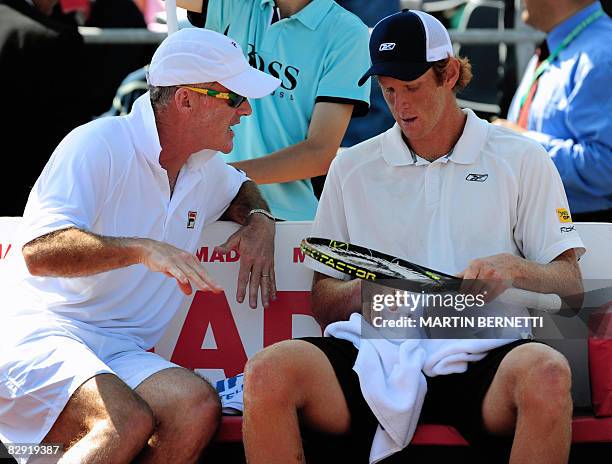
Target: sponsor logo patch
{"x":477,"y":177}
{"x":565,"y":230}
{"x":387,"y":46}
{"x":564,"y":215}
{"x":191,"y":219}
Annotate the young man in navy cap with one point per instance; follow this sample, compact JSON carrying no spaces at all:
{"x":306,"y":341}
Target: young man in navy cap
{"x":445,"y":189}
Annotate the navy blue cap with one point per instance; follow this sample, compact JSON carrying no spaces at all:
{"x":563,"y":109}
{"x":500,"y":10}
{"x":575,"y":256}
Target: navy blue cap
{"x":401,"y":46}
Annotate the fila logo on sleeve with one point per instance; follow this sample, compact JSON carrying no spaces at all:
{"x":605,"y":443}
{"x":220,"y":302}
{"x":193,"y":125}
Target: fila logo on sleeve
{"x":191,"y":219}
{"x":387,"y":46}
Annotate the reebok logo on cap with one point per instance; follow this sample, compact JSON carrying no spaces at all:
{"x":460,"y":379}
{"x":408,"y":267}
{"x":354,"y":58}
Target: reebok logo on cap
{"x":386,"y":46}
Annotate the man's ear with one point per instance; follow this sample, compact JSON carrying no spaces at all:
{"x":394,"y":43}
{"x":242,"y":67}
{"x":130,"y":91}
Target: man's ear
{"x":183,"y":100}
{"x":453,"y":69}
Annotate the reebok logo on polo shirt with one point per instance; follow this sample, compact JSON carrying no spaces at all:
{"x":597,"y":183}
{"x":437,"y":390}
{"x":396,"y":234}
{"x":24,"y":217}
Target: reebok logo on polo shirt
{"x":477,"y":177}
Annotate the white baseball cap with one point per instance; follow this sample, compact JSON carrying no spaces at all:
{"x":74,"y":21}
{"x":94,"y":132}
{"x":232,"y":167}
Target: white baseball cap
{"x":193,"y":55}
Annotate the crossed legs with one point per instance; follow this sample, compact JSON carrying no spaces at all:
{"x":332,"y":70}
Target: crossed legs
{"x":171,"y":416}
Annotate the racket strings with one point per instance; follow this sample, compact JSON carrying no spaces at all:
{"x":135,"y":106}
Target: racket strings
{"x":374,"y":263}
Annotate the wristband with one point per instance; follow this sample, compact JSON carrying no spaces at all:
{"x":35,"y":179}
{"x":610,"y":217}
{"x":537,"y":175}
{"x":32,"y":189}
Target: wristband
{"x":261,"y":211}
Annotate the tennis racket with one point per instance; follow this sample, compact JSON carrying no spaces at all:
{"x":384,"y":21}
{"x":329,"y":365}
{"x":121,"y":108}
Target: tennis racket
{"x":372,"y":265}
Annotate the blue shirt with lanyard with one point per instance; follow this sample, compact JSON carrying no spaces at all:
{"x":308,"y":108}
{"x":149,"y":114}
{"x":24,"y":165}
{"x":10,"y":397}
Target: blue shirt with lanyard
{"x":570,"y":112}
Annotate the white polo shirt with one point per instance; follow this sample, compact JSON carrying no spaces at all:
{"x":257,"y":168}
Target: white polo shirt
{"x":498,"y":192}
{"x":105,"y":177}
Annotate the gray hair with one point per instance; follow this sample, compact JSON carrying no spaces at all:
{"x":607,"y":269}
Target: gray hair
{"x":161,"y":96}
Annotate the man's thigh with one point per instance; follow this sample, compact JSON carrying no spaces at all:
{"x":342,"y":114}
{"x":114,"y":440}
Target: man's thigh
{"x":177,"y":394}
{"x":103,"y":397}
{"x":319,"y":371}
{"x":179,"y":398}
{"x":339,"y":401}
{"x":458,"y":399}
{"x":38,"y":376}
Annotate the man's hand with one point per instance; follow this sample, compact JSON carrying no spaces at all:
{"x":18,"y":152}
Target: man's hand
{"x":509,"y":125}
{"x":335,"y":300}
{"x":255,"y":243}
{"x":179,"y":264}
{"x":491,"y":276}
{"x":374,"y":303}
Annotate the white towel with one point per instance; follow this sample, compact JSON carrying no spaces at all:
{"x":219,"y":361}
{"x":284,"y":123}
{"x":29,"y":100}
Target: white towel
{"x":451,"y":356}
{"x":391,"y":376}
{"x":391,"y":382}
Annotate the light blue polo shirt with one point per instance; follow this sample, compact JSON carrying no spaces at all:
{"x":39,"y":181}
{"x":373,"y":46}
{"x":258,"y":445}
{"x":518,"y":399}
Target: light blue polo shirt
{"x":319,"y":54}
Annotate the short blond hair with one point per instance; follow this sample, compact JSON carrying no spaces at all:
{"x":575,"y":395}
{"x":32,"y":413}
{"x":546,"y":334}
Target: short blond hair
{"x":465,"y":72}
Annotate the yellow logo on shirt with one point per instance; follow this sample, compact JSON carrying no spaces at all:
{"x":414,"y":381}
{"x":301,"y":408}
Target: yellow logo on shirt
{"x":564,"y":215}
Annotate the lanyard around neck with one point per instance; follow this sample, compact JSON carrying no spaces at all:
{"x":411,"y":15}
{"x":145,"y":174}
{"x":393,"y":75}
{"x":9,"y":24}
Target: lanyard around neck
{"x":566,"y":41}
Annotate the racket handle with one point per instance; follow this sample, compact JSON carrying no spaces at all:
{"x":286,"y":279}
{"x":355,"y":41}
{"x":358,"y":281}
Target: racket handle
{"x":548,"y":302}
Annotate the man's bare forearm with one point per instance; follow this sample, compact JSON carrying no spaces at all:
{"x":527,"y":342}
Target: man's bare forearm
{"x":300,"y":161}
{"x":308,"y":158}
{"x":560,"y":276}
{"x":247,"y":199}
{"x":76,"y":253}
{"x":334,"y":300}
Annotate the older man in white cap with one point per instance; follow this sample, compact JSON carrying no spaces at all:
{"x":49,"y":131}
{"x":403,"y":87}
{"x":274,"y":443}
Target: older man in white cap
{"x":107,"y":241}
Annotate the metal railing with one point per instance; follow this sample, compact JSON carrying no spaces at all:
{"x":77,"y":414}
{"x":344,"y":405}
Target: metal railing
{"x":94,"y":35}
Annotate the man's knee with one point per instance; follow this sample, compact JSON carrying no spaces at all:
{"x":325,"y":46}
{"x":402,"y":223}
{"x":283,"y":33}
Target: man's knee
{"x":202,"y":403}
{"x":274,"y":375}
{"x":544,"y":382}
{"x":193,"y":414}
{"x":127,"y":414}
{"x":137,"y":424}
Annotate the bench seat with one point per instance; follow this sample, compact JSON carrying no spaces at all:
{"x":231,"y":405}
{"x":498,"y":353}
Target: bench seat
{"x":585,"y":429}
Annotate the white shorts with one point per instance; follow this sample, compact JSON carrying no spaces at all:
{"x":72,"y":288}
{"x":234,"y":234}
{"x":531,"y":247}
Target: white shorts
{"x":42,"y":363}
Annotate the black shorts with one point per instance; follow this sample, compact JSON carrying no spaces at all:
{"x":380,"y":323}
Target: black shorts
{"x":454,"y":399}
